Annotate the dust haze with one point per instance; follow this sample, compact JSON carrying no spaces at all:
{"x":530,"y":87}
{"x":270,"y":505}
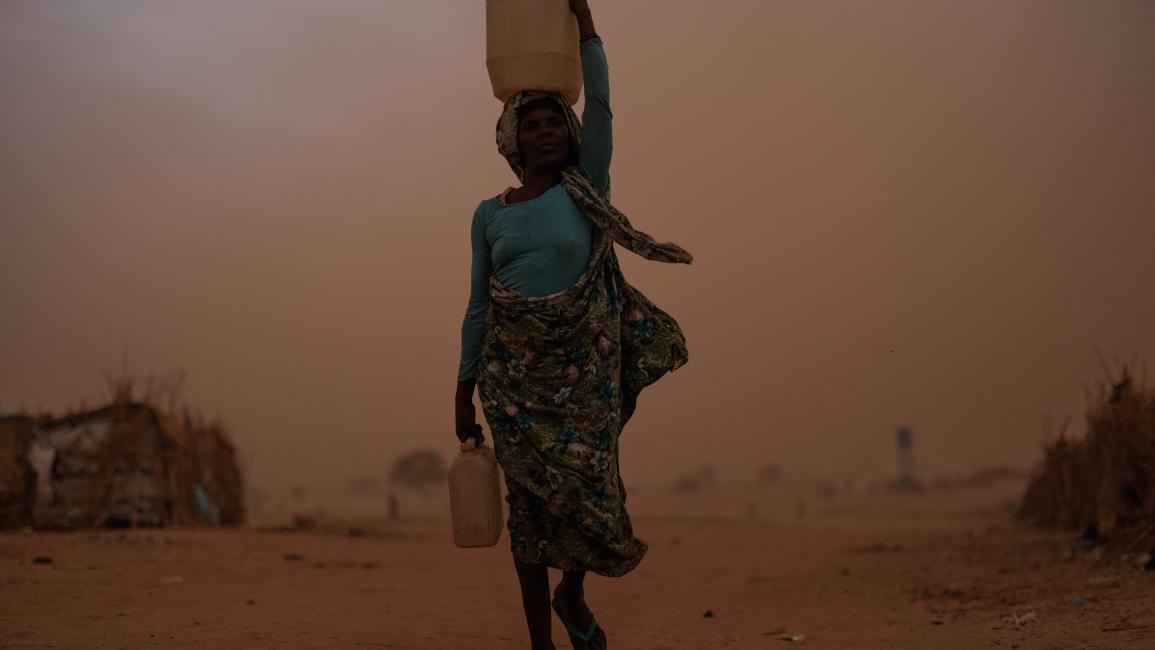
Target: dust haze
{"x":922,"y":213}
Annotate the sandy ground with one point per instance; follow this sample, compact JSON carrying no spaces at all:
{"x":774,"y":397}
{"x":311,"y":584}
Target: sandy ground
{"x":945,"y":570}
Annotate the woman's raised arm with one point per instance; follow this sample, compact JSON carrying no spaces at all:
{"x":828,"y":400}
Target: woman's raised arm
{"x":581,"y":9}
{"x":597,"y":120}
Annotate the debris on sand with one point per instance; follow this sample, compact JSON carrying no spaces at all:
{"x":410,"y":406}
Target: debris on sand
{"x":1104,"y":582}
{"x":793,"y":638}
{"x":1126,"y":627}
{"x":709,"y":613}
{"x":1090,"y":538}
{"x":1019,"y":620}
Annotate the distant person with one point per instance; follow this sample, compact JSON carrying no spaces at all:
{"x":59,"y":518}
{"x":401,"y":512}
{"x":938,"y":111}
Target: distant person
{"x":559,"y":346}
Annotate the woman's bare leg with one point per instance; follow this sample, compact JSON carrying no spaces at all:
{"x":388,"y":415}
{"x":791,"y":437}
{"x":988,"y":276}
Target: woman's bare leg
{"x":534,"y":579}
{"x":572,"y":592}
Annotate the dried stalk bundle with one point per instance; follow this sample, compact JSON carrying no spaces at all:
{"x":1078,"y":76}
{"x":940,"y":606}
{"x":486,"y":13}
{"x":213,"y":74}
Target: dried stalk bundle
{"x":1107,"y":479}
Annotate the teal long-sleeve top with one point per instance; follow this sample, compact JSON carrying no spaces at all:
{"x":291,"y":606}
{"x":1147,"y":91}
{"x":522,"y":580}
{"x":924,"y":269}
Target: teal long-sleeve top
{"x":541,"y":246}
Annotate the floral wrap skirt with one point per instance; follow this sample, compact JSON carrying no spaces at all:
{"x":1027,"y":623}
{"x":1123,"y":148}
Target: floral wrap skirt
{"x":558,"y":378}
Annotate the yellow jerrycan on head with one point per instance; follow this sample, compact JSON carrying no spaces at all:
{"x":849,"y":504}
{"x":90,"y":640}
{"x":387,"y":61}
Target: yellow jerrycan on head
{"x":532,"y":45}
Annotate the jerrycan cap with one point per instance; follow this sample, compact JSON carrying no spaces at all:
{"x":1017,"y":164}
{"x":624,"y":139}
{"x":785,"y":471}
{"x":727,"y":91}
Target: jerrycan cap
{"x":470,"y":444}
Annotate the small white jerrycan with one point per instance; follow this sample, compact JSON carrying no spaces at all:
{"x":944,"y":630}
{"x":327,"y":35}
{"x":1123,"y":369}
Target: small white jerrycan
{"x":532,"y":45}
{"x":475,"y":496}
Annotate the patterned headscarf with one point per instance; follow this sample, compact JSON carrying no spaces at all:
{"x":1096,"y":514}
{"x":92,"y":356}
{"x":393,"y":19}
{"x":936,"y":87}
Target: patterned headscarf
{"x":595,"y":205}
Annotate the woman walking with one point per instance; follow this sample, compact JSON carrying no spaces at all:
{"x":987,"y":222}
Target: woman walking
{"x":559,"y":346}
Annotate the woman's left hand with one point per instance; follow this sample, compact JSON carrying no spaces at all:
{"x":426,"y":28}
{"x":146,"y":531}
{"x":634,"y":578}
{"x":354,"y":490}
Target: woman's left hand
{"x":585,"y":18}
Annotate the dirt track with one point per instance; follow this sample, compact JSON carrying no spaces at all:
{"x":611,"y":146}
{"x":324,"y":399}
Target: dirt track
{"x":916,"y":572}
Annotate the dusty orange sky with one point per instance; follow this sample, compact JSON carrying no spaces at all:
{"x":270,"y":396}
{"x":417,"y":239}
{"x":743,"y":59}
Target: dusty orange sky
{"x":902,"y":212}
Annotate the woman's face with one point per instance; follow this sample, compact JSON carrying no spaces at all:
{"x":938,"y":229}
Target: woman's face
{"x":543,"y":138}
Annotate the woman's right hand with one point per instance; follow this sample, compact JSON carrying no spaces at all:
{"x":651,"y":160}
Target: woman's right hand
{"x":467,"y":420}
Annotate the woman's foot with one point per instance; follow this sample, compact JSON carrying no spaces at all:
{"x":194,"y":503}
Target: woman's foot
{"x":583,"y":630}
{"x":573,"y":601}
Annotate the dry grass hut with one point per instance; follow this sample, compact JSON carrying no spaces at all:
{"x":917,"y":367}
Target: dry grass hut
{"x":128,"y":464}
{"x":17,"y":479}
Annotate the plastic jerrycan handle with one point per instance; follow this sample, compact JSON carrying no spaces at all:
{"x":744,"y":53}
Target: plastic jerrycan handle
{"x":471,"y":442}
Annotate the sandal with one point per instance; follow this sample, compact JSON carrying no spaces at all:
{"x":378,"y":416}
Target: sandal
{"x":592,"y":639}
